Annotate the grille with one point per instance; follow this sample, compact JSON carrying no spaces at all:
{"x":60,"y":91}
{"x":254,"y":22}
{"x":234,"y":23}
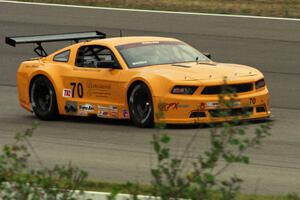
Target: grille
{"x":260,"y":109}
{"x":231,"y":112}
{"x":197,"y":114}
{"x":234,"y":88}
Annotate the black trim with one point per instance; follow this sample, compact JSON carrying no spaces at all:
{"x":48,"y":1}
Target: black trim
{"x":197,"y":114}
{"x":231,"y":112}
{"x":258,"y":82}
{"x":233,"y":88}
{"x":260,"y":109}
{"x":39,"y":50}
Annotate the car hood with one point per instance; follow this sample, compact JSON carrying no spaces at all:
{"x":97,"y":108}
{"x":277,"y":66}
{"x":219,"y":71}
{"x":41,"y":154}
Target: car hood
{"x":195,"y":72}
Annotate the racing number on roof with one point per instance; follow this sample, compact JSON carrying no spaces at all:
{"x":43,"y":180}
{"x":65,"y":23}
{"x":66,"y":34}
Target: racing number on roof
{"x":79,"y":89}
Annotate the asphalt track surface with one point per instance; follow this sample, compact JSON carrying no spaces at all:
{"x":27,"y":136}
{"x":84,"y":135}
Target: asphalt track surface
{"x":118,"y":151}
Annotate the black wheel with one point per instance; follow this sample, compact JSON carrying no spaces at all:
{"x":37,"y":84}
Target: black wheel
{"x":141,"y":106}
{"x":43,"y":99}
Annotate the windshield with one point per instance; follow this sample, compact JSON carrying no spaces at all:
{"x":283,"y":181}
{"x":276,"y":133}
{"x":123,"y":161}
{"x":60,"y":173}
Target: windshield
{"x":159,"y":52}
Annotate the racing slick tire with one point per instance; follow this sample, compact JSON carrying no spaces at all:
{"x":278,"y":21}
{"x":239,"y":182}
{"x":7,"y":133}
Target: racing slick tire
{"x":43,"y":99}
{"x":141,"y":106}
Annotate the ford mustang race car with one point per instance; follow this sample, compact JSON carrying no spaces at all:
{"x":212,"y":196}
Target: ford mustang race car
{"x":134,"y":78}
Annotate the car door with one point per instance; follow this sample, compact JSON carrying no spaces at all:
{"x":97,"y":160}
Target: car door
{"x":92,"y":82}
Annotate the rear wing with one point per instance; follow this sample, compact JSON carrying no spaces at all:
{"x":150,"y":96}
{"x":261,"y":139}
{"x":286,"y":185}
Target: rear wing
{"x":39,"y":39}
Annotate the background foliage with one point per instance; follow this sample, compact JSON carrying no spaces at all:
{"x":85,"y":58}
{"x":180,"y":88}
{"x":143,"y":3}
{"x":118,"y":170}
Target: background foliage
{"x":18,"y":180}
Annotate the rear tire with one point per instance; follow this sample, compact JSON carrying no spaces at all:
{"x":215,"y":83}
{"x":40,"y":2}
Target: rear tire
{"x":43,"y":99}
{"x":141,"y":106}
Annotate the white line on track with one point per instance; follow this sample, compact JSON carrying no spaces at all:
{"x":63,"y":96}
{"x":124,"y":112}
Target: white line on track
{"x":150,"y":11}
{"x":103,"y":196}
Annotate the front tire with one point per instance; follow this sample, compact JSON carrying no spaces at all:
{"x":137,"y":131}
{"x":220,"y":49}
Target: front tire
{"x":141,"y":106}
{"x":43,"y":99}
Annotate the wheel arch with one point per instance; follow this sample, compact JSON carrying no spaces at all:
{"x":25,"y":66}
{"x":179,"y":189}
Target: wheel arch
{"x":136,"y":82}
{"x":154,"y":84}
{"x":54,"y":84}
{"x":34,"y":77}
{"x":146,"y":122}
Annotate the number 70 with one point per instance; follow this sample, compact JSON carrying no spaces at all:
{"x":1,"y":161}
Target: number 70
{"x":79,"y":89}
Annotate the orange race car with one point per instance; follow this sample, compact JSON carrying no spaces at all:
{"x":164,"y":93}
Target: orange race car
{"x":133,"y":78}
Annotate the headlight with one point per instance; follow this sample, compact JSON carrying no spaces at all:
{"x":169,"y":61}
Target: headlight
{"x":259,"y":84}
{"x":184,"y":89}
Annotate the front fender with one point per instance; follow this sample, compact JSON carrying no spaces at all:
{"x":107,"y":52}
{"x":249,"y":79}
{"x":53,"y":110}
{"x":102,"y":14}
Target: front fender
{"x":158,"y":85}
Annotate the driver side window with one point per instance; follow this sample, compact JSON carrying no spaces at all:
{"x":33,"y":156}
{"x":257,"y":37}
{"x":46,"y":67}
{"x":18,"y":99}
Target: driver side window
{"x":92,"y":56}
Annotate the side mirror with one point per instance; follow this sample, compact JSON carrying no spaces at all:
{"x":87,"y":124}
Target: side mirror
{"x":108,"y":64}
{"x":207,"y":55}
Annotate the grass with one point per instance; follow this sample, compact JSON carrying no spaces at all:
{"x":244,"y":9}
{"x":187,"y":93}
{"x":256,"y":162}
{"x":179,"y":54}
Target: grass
{"x":274,"y":8}
{"x":145,"y":190}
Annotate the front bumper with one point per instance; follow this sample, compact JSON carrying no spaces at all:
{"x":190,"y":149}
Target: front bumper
{"x":184,"y":109}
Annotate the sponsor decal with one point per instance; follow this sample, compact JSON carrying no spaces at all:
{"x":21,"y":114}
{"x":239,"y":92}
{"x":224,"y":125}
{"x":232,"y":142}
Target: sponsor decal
{"x":172,"y":106}
{"x":107,"y":111}
{"x":125,"y":114}
{"x":102,"y":107}
{"x":212,"y":104}
{"x":92,"y":85}
{"x":114,"y":114}
{"x":113,"y":108}
{"x":103,"y":113}
{"x":216,"y":104}
{"x":86,"y":107}
{"x":202,"y":106}
{"x":98,"y":89}
{"x":188,"y":78}
{"x":71,"y":107}
{"x":83,"y":113}
{"x":142,"y":62}
{"x":183,"y":106}
{"x":150,"y":42}
{"x":114,"y":111}
{"x":67,"y":93}
{"x":168,"y":106}
{"x":86,"y":69}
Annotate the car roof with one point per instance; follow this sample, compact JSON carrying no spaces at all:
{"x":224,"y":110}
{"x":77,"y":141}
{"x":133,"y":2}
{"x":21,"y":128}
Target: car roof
{"x":115,"y":41}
